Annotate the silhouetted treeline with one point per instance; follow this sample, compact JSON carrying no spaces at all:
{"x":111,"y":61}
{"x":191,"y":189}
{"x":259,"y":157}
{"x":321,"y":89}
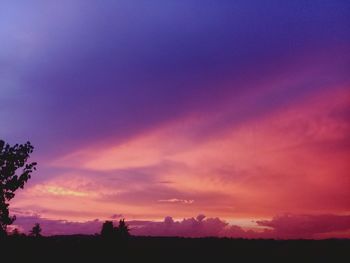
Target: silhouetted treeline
{"x":109,"y":232}
{"x":81,"y":248}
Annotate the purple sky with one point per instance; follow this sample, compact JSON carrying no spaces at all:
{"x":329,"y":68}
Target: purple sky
{"x":80,"y":77}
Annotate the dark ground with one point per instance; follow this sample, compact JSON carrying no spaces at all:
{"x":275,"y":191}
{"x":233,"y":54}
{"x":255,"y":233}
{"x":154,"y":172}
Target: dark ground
{"x":151,"y":249}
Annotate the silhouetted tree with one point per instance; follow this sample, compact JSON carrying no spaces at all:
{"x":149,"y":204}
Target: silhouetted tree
{"x":11,"y":159}
{"x":122,"y":231}
{"x":119,"y":233}
{"x":36,"y":230}
{"x":107,"y":231}
{"x":15,"y":232}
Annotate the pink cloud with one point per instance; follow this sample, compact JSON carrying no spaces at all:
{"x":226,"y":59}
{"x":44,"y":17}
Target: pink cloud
{"x":306,"y":226}
{"x":116,"y":216}
{"x":190,"y":227}
{"x":57,"y":227}
{"x":279,"y":227}
{"x":293,"y":160}
{"x":175,"y":200}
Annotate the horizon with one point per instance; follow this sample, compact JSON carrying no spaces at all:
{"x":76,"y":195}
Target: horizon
{"x":224,"y":119}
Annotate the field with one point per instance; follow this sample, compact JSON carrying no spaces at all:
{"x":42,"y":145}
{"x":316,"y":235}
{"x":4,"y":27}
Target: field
{"x":79,"y":248}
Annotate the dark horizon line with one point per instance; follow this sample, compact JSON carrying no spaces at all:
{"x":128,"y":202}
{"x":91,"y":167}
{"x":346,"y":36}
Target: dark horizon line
{"x":183,"y":237}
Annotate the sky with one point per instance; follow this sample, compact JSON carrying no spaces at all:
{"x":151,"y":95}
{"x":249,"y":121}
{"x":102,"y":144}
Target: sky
{"x":187,"y":118}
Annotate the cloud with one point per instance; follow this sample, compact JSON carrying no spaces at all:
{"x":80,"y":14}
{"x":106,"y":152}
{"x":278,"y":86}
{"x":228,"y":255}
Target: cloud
{"x":57,"y":227}
{"x":187,"y":62}
{"x":285,"y":226}
{"x":280,"y":227}
{"x":243,"y":112}
{"x":259,"y":168}
{"x":190,"y":227}
{"x":175,"y":200}
{"x":116,"y":216}
{"x":305,"y":226}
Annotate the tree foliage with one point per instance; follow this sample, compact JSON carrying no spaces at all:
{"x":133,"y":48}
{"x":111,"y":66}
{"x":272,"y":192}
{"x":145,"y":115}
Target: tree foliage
{"x":107,"y":231}
{"x":36,"y":230}
{"x":12,"y":159}
{"x":121,"y":232}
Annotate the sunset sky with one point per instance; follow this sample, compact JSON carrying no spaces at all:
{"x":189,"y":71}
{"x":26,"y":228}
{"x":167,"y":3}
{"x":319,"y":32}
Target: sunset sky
{"x":191,"y":118}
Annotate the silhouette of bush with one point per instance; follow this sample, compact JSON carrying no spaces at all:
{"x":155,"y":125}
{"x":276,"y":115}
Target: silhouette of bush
{"x":36,"y":230}
{"x":15,"y":233}
{"x":107,"y":231}
{"x":11,"y":159}
{"x":119,"y":233}
{"x":122,"y":231}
